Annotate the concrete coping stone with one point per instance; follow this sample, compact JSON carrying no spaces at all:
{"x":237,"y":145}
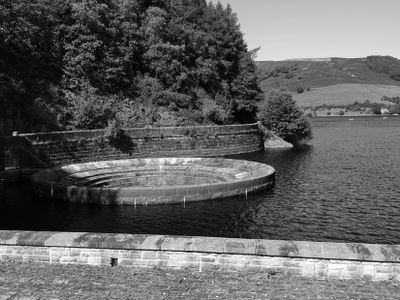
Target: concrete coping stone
{"x":217,"y":245}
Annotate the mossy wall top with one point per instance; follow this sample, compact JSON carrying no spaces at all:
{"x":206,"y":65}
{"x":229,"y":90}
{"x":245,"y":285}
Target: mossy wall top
{"x":42,"y":149}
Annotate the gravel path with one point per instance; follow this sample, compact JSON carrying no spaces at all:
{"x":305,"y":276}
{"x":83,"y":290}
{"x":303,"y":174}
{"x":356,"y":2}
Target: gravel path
{"x":39,"y":281}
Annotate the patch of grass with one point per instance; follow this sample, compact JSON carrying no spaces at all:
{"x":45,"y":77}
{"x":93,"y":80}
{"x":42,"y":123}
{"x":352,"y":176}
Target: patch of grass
{"x":319,"y":73}
{"x":34,"y":281}
{"x":343,"y":94}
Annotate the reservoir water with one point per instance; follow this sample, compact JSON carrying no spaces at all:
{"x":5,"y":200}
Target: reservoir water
{"x":345,"y":186}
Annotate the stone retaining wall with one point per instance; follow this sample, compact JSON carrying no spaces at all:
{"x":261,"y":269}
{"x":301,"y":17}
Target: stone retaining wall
{"x":33,"y":150}
{"x":312,"y":259}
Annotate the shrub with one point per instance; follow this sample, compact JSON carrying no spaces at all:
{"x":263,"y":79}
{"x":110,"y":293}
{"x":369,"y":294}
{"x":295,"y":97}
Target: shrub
{"x":88,"y":110}
{"x":280,"y":114}
{"x":299,"y":90}
{"x":117,"y":138}
{"x":214,"y":112}
{"x":112,"y":132}
{"x":165,"y":98}
{"x":376,"y":108}
{"x":395,"y":109}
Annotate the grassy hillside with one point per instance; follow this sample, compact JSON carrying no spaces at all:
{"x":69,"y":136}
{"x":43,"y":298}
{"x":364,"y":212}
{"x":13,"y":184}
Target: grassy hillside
{"x":342,"y":94}
{"x":333,"y":80}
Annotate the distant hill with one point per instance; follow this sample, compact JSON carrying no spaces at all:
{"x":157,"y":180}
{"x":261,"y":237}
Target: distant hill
{"x":333,"y":80}
{"x":346,"y":93}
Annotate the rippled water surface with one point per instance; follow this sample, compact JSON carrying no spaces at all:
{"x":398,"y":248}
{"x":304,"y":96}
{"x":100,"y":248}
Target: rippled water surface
{"x":344,"y":187}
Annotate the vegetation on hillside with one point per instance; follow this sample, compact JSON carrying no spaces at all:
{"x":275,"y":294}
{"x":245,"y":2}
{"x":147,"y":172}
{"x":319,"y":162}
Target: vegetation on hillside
{"x":79,"y":64}
{"x":344,"y":94}
{"x":335,"y":82}
{"x":280,"y":114}
{"x":395,"y":108}
{"x":385,"y":64}
{"x":303,"y":75}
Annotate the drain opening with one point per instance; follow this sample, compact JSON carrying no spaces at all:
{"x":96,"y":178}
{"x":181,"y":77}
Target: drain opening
{"x":114,"y":261}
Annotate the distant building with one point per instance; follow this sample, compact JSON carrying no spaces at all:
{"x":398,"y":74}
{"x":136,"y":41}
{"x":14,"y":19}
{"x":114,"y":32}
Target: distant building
{"x":384,"y":111}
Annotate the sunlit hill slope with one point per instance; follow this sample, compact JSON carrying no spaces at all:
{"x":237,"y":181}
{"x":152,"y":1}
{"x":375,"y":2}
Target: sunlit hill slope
{"x":333,"y":80}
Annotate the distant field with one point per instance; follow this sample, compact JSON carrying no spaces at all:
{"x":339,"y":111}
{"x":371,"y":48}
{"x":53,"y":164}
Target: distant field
{"x":306,"y":74}
{"x":346,"y":94}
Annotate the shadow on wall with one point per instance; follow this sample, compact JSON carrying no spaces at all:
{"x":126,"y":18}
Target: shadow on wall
{"x":76,"y":194}
{"x":90,"y":196}
{"x":17,"y":152}
{"x":121,"y":141}
{"x":30,"y":151}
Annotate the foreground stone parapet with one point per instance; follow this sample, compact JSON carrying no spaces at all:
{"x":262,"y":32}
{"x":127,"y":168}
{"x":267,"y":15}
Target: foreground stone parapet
{"x":153,"y":180}
{"x":322,"y":260}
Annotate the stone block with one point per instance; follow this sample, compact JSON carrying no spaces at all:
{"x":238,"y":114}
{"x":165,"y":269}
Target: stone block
{"x":261,"y":262}
{"x":383,"y":276}
{"x":336,"y":266}
{"x":189,"y":264}
{"x":209,"y":266}
{"x":277,"y":262}
{"x":149,"y":255}
{"x":334,"y":274}
{"x":74,"y":252}
{"x":130,"y":255}
{"x":208,"y":259}
{"x":292,"y":263}
{"x":294,"y":271}
{"x":308,"y":268}
{"x":125,"y":262}
{"x":68,"y":260}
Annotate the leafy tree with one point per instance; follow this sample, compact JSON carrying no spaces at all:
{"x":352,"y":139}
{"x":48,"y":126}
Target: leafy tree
{"x":79,"y":63}
{"x":87,"y":110}
{"x":376,"y":108}
{"x":280,"y":114}
{"x":395,"y":109}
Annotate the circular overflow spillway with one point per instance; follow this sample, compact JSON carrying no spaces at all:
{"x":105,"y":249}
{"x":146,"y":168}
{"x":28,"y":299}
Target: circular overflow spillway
{"x":153,"y":180}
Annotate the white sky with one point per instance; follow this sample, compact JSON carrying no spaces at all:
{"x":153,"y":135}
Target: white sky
{"x":319,"y":28}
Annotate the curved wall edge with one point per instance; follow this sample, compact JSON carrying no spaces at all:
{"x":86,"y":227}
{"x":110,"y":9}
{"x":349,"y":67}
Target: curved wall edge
{"x":45,"y":149}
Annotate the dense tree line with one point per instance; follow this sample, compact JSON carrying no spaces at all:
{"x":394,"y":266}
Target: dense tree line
{"x":395,"y":108}
{"x":79,"y":64}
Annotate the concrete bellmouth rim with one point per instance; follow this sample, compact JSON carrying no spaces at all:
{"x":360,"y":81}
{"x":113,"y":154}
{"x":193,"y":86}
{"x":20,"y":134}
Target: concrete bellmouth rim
{"x":153,"y":180}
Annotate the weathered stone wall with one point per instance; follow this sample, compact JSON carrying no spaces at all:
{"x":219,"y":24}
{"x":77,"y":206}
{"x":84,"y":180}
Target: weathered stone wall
{"x":321,"y":260}
{"x":57,"y":148}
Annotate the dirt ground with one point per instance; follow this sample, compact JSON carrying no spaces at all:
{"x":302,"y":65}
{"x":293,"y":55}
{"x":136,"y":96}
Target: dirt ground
{"x":41,"y":281}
